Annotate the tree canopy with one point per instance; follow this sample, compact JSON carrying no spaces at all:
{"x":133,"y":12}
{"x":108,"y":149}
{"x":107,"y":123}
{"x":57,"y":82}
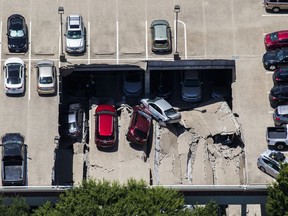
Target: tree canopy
{"x":277,"y":199}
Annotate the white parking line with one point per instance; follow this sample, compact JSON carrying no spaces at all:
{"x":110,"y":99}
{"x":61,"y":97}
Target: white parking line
{"x":117,"y":43}
{"x":269,"y":72}
{"x":204,"y":29}
{"x":274,"y":15}
{"x":59,"y":63}
{"x":185,"y":37}
{"x":271,"y":112}
{"x":146,"y":38}
{"x":29,"y":64}
{"x":0,"y":48}
{"x":89,"y":47}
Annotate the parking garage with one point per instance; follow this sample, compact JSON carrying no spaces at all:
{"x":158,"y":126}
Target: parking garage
{"x":100,"y":83}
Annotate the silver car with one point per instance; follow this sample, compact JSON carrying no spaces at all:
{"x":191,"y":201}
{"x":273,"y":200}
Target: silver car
{"x":191,"y":87}
{"x":75,"y":34}
{"x":280,"y":115}
{"x":72,"y":124}
{"x":269,"y":162}
{"x":161,"y":110}
{"x":46,"y":77}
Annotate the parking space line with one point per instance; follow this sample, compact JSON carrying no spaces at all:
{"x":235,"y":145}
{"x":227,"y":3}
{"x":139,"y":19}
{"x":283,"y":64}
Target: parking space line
{"x":204,"y":29}
{"x":233,"y":28}
{"x":29,"y":64}
{"x":0,"y":48}
{"x":59,"y":43}
{"x":274,"y":15}
{"x":117,"y":43}
{"x":146,"y":38}
{"x":89,"y":47}
{"x":269,"y":72}
{"x":271,"y":112}
{"x":185,"y":37}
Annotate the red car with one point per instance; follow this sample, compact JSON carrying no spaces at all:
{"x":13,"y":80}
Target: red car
{"x":106,"y":123}
{"x":276,"y":40}
{"x":139,"y":127}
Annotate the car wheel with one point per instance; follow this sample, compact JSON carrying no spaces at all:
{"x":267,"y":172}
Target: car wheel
{"x":262,"y":169}
{"x":276,"y":9}
{"x":272,"y":67}
{"x":280,"y":146}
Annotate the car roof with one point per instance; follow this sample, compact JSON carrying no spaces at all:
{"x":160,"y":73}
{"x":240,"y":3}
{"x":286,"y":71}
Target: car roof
{"x":105,"y":121}
{"x":283,"y":109}
{"x":163,"y":104}
{"x":74,"y":22}
{"x":160,"y":27}
{"x":280,"y":89}
{"x":282,"y":34}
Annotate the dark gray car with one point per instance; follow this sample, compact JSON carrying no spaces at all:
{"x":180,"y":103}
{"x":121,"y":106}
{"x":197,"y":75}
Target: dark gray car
{"x":161,"y":36}
{"x":280,"y":115}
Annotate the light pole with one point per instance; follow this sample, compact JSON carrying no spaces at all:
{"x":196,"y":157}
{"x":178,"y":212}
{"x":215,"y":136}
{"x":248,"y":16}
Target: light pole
{"x":62,"y":55}
{"x":176,"y":54}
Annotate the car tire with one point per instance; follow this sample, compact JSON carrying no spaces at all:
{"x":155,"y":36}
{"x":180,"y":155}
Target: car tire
{"x":262,"y":169}
{"x":276,"y":9}
{"x":280,"y":146}
{"x":272,"y":67}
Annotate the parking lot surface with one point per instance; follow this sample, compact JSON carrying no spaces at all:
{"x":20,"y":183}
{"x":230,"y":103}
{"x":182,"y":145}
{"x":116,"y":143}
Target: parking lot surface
{"x":118,"y":32}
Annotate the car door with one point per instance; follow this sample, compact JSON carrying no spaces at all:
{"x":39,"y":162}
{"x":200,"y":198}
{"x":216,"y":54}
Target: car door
{"x":155,"y":111}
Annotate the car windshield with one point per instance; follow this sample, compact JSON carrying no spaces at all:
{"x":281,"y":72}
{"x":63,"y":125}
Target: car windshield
{"x":191,"y":83}
{"x":140,"y":133}
{"x":280,"y":55}
{"x":74,"y":34}
{"x":16,"y":33}
{"x":13,"y":74}
{"x":72,"y":126}
{"x":274,"y":36}
{"x":46,"y":80}
{"x":170,"y":112}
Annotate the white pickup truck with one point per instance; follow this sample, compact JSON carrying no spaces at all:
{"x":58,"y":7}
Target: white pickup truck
{"x":277,"y":137}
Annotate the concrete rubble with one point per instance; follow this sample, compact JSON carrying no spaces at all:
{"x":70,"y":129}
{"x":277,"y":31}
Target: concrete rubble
{"x":190,"y":154}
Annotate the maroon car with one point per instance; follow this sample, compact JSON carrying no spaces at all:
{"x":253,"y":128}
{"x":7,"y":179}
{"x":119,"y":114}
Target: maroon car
{"x":276,"y":40}
{"x":139,"y":127}
{"x":106,"y":123}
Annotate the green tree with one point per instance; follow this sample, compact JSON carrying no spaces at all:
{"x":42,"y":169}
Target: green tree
{"x":277,"y":199}
{"x":17,"y":206}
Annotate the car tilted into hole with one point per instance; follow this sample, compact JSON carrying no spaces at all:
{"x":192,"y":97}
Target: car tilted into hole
{"x":139,"y":126}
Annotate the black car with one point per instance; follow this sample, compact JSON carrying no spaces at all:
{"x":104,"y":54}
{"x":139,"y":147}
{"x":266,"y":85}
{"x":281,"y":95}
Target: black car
{"x":275,"y":59}
{"x":278,"y":95}
{"x":280,"y":76}
{"x":17,"y":33}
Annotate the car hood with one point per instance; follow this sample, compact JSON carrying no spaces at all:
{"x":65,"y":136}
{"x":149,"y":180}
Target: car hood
{"x":191,"y":91}
{"x":132,"y":87}
{"x":270,"y":56}
{"x":17,"y":42}
{"x":74,"y":43}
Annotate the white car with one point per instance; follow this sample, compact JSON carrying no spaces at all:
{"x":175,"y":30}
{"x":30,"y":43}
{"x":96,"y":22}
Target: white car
{"x":161,"y":110}
{"x":14,"y":76}
{"x":269,"y":162}
{"x":46,"y":77}
{"x":75,"y":34}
